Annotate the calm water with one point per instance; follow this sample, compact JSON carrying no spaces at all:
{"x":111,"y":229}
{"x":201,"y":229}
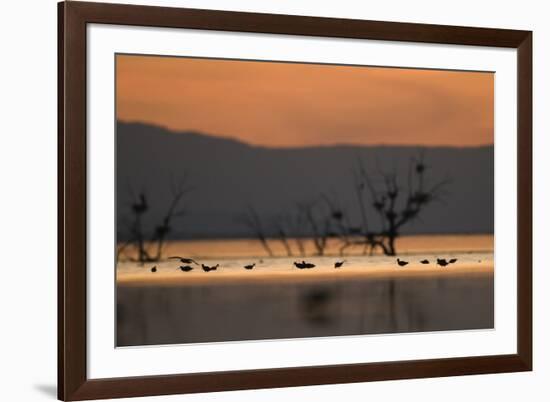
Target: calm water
{"x":368,"y":295}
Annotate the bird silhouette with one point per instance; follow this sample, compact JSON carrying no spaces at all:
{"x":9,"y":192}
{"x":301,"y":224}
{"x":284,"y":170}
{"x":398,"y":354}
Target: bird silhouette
{"x":442,"y":262}
{"x":378,"y":205}
{"x":154,"y":269}
{"x":303,"y":264}
{"x":401,"y":263}
{"x":338,"y":215}
{"x":206,"y":268}
{"x":424,"y":262}
{"x":453,"y":260}
{"x":338,"y":264}
{"x":141,"y":206}
{"x":186,"y":268}
{"x":249,"y":266}
{"x":184,"y":260}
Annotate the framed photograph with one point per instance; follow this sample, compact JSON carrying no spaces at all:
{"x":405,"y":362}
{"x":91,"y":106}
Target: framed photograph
{"x":253,"y":200}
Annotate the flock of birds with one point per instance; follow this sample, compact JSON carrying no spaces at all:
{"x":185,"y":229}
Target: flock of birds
{"x":439,"y":261}
{"x":186,"y":267}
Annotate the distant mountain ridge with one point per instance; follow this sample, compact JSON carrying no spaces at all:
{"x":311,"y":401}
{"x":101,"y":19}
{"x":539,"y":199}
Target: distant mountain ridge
{"x":230,"y":176}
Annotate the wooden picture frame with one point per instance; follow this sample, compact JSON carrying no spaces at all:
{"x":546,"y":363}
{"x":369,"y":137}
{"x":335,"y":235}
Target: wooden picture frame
{"x":73,"y":17}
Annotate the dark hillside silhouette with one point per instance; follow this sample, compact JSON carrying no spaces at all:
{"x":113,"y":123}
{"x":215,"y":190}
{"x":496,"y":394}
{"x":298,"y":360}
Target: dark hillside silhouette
{"x":286,"y":187}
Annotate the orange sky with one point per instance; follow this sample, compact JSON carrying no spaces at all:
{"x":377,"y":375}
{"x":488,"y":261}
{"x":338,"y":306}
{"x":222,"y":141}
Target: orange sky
{"x":288,"y":105}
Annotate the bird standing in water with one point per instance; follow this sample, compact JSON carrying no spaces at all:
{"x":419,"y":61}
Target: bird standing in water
{"x":206,"y":268}
{"x":401,"y":263}
{"x":338,"y":264}
{"x":424,"y":262}
{"x":442,"y":262}
{"x":249,"y":266}
{"x":154,"y":269}
{"x":303,"y":264}
{"x":186,"y":268}
{"x":453,"y":260}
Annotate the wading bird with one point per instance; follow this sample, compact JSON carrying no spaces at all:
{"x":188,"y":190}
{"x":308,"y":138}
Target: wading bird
{"x":186,"y":268}
{"x":206,"y":268}
{"x":338,"y":264}
{"x":442,"y":262}
{"x":249,"y":266}
{"x":154,"y":269}
{"x":453,"y":260}
{"x":424,"y":262}
{"x":184,"y":260}
{"x":303,"y":264}
{"x":401,"y":263}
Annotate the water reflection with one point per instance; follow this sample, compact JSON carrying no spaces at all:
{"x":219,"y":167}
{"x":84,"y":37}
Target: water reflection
{"x":318,"y":306}
{"x":225,"y":312}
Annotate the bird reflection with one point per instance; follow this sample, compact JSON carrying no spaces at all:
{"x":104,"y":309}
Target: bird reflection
{"x":317,"y":306}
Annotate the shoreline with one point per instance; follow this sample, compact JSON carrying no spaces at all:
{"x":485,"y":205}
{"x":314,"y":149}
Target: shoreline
{"x":319,"y":275}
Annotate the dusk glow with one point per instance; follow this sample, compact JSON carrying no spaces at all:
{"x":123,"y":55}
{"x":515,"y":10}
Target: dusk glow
{"x":296,"y":105}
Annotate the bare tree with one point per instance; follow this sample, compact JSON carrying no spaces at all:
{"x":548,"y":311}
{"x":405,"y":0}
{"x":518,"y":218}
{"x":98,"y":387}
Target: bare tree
{"x":139,"y":208}
{"x":281,"y":224}
{"x":296,"y":223}
{"x":319,"y":222}
{"x":341,"y":226}
{"x":178,"y":191}
{"x":253,"y":221}
{"x":395,"y":205}
{"x":137,"y":233}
